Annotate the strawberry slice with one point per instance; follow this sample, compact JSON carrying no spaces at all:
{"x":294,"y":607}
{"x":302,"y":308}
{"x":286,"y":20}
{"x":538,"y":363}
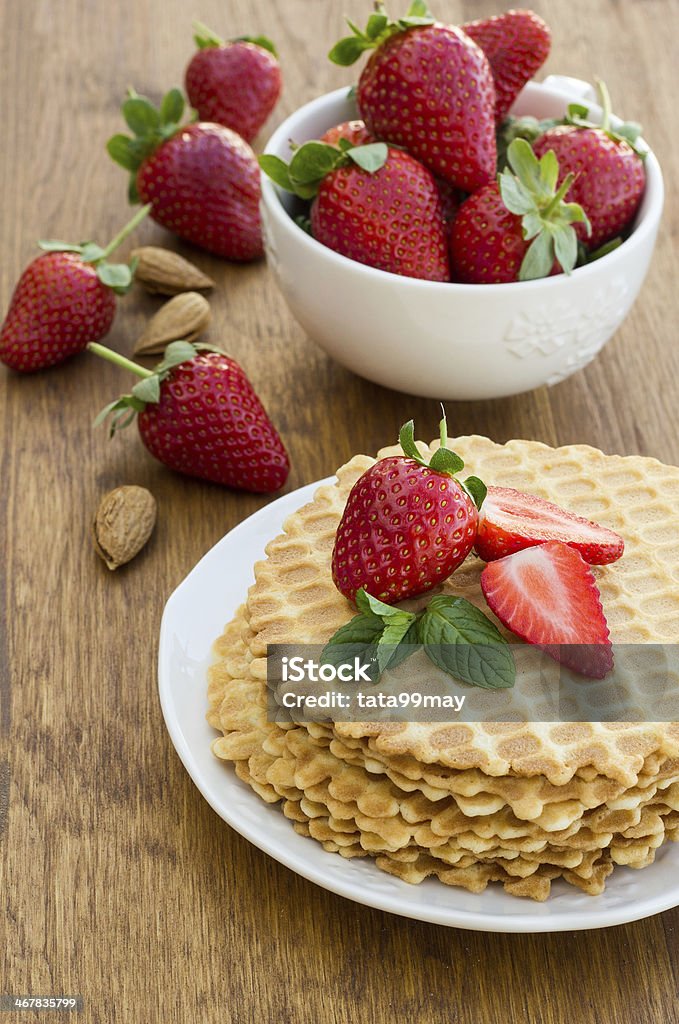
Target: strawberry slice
{"x":511,"y":520}
{"x":547,"y":595}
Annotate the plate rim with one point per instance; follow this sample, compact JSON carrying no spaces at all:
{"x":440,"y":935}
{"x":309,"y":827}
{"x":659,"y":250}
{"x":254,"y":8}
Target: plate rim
{"x":521,"y":923}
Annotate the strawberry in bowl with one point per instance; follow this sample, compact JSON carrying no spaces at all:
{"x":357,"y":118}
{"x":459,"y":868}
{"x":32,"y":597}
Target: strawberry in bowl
{"x":543,"y":261}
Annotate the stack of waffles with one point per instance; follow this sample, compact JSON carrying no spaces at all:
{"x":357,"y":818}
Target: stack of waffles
{"x":518,"y":803}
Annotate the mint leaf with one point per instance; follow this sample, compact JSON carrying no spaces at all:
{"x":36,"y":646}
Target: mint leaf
{"x":389,"y":643}
{"x":370,"y":605}
{"x":356,"y":639}
{"x":459,"y":639}
{"x":391,"y":652}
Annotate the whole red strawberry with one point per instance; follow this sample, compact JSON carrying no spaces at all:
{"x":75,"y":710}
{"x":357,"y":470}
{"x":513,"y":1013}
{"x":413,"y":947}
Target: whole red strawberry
{"x":358,"y":206}
{"x":235,"y":83}
{"x":202,"y":180}
{"x":427,"y":87}
{"x":610,"y":177}
{"x":63,"y":300}
{"x":354,"y":132}
{"x":407,"y":524}
{"x":519,"y":229}
{"x":516,"y":44}
{"x":198,"y":414}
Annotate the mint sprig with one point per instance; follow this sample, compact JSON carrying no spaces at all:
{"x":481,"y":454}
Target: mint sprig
{"x":378,"y":29}
{"x":454,"y":634}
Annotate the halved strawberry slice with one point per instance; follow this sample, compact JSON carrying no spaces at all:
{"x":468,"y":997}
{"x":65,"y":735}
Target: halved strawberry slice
{"x":548,"y":596}
{"x":511,"y":520}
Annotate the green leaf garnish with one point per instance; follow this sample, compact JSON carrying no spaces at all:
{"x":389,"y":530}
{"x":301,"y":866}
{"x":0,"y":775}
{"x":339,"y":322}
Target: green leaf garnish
{"x":459,"y":639}
{"x":454,"y":634}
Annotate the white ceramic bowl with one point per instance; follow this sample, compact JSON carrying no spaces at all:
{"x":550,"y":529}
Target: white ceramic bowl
{"x":453,"y":341}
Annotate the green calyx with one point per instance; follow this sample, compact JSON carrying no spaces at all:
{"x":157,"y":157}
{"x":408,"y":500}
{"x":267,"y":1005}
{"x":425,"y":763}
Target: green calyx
{"x":150,"y":127}
{"x":312,"y":161}
{"x":147,"y":388}
{"x":116,"y":276}
{"x":628,"y":131}
{"x":205,"y":38}
{"x":454,"y":634}
{"x":547,"y":219}
{"x":443,"y":460}
{"x":379,"y":28}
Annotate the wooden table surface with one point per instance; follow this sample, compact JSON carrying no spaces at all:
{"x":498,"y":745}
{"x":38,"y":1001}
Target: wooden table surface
{"x":118,"y":882}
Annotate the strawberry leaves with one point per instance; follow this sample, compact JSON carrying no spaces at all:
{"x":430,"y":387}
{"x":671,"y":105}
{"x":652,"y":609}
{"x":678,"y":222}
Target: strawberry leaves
{"x":204,"y":38}
{"x":443,"y":460}
{"x":313,"y":161}
{"x":147,"y":389}
{"x":378,"y":29}
{"x":150,"y":127}
{"x":530,"y":192}
{"x":116,"y":276}
{"x":454,"y":634}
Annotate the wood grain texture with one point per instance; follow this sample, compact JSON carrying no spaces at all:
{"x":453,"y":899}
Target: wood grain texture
{"x":118,"y":882}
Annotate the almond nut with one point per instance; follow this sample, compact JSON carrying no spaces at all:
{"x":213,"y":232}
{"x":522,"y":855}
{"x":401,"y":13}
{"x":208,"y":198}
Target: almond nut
{"x":183,"y":318}
{"x":167,"y":273}
{"x":123,"y":523}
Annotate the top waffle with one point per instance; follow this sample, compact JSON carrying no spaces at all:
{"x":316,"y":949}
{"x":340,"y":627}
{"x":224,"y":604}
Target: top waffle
{"x":294,"y":600}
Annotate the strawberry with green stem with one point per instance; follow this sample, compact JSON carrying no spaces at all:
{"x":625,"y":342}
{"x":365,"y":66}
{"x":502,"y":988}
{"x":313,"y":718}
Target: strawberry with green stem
{"x":63,"y":300}
{"x":201,"y":179}
{"x":427,"y":87}
{"x":198,"y":414}
{"x":607,"y":166}
{"x":375,"y":204}
{"x":408,"y":523}
{"x":236,"y":82}
{"x":519,"y":228}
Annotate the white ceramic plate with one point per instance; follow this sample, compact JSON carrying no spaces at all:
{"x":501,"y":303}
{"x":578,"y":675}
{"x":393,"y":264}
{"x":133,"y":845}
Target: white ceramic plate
{"x":194,"y":616}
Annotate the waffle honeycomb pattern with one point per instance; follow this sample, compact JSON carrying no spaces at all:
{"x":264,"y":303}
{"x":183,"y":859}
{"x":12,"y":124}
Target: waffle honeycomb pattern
{"x":519,"y":803}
